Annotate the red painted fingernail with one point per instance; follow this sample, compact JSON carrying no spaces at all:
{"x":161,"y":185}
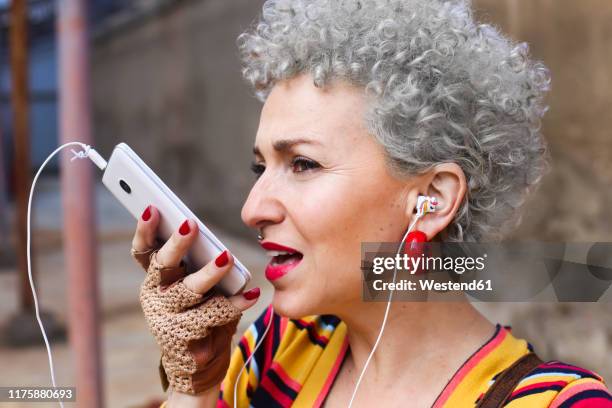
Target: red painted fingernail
{"x":252,"y":294}
{"x":146,"y":214}
{"x":184,"y":229}
{"x":222,"y":259}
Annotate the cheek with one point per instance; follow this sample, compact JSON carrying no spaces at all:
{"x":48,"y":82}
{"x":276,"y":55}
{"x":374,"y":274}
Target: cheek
{"x":335,"y":214}
{"x":350,"y":211}
{"x":328,"y":211}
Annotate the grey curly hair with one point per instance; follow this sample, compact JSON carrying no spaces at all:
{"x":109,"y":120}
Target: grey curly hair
{"x":443,"y":88}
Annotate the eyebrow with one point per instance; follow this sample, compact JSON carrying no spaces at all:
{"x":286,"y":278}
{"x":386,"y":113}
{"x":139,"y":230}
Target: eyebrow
{"x":284,"y":145}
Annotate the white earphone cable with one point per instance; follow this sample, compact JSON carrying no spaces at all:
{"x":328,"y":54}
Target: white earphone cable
{"x":263,"y":336}
{"x":382,"y":328}
{"x":90,"y":153}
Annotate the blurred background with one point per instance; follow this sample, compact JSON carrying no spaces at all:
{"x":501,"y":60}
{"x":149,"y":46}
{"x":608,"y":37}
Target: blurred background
{"x":164,"y":77}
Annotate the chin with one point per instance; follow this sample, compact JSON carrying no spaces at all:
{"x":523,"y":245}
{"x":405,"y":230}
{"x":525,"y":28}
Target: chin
{"x":289,"y":304}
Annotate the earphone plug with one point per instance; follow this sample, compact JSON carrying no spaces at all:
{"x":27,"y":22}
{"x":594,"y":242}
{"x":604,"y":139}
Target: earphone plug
{"x":93,"y":155}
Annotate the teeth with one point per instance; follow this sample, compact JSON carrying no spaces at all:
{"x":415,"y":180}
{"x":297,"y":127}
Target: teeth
{"x":277,"y":253}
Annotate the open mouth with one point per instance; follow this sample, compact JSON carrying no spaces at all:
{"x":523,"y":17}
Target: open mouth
{"x":281,"y":258}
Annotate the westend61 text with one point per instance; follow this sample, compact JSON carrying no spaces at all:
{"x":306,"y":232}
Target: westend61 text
{"x":430,"y":284}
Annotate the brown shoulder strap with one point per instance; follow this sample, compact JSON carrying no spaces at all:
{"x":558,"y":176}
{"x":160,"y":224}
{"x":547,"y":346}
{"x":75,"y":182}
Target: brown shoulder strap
{"x":503,"y":386}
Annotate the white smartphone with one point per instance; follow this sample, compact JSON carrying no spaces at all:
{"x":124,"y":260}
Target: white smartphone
{"x":135,"y":185}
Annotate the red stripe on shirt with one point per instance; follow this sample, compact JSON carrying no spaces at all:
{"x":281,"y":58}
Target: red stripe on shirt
{"x":469,"y":365}
{"x":332,"y":375}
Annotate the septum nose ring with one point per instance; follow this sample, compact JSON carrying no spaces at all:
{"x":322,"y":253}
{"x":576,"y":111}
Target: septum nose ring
{"x":260,"y":236}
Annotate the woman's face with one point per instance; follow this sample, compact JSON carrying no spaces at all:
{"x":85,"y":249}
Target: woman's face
{"x":323,"y":189}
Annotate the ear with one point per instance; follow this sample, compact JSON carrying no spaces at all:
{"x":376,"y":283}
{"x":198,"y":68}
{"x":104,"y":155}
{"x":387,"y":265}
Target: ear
{"x":446,"y":182}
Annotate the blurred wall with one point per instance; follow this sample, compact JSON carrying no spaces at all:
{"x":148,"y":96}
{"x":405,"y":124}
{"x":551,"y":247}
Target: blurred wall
{"x":574,"y":39}
{"x":169,"y":84}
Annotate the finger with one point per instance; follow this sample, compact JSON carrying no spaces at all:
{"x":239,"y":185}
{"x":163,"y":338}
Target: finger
{"x":145,"y":238}
{"x":146,"y":229}
{"x":179,"y":243}
{"x":205,"y":278}
{"x":245,"y":300}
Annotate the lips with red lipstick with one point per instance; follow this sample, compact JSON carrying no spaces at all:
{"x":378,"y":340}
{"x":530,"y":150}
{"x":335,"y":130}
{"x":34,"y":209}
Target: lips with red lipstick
{"x":283,"y":259}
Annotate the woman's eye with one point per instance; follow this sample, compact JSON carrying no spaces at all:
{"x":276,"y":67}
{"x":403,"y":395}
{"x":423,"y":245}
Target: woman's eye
{"x":301,"y":164}
{"x":258,"y":169}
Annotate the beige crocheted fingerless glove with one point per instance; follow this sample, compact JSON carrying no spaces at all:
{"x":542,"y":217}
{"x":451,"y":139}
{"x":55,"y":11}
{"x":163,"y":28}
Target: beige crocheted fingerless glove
{"x":194,"y":331}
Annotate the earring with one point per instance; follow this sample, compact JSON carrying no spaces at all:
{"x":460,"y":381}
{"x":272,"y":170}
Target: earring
{"x":414,"y":239}
{"x":414,"y":247}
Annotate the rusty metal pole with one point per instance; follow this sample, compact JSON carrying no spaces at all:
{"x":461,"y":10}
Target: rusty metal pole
{"x":78,"y":202}
{"x":19,"y":101}
{"x":4,"y":216}
{"x":22,"y":329}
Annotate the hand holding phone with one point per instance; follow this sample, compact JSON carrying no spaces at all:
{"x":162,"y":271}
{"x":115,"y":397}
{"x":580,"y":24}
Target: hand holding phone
{"x":136,"y":186}
{"x":192,"y":324}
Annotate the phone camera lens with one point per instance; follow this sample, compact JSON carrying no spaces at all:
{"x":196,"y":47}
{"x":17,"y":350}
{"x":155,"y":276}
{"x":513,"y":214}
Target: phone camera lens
{"x":125,"y":186}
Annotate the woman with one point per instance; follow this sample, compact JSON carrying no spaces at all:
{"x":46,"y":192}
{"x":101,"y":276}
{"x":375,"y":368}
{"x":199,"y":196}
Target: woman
{"x":368,"y":104}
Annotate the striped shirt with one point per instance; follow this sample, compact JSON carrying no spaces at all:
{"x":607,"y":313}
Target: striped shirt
{"x":299,"y":359}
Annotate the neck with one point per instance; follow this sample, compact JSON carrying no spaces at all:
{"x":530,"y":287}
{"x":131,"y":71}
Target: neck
{"x":432,"y":339}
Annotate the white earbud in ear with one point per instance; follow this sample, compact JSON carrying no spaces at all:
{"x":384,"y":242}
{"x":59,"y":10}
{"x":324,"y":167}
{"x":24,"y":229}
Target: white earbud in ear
{"x":426,"y":204}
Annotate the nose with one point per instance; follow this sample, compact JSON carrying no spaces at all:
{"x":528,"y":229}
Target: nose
{"x":262,"y":207}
